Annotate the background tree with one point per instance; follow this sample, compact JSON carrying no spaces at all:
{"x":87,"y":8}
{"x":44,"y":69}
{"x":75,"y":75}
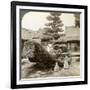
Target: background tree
{"x":77,"y":20}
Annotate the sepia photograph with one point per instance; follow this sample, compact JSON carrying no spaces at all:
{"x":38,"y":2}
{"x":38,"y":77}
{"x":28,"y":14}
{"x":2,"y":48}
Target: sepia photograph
{"x":49,"y":44}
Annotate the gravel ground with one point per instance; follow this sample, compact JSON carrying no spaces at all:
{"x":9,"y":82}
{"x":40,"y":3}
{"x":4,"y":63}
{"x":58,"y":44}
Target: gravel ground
{"x":27,"y":71}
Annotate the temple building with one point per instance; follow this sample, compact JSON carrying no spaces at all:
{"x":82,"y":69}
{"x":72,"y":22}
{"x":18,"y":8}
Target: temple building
{"x":73,"y":41}
{"x":71,"y":38}
{"x":72,"y":35}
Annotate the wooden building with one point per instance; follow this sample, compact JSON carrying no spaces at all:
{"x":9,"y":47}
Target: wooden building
{"x":71,"y":38}
{"x":72,"y":35}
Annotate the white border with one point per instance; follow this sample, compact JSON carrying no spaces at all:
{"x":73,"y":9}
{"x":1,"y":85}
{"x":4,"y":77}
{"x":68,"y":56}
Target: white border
{"x":49,"y":80}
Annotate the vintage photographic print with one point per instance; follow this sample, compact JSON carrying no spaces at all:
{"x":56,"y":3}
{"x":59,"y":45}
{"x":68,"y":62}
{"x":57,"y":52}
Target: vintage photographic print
{"x":49,"y":44}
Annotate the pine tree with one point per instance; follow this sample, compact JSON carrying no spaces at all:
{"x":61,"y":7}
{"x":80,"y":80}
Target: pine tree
{"x":53,"y":27}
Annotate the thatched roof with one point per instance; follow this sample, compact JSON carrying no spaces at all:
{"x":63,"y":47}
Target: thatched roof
{"x":74,"y":38}
{"x":30,"y":35}
{"x":72,"y":33}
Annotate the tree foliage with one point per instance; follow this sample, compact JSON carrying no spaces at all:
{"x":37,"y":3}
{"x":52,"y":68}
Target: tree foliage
{"x":54,"y":25}
{"x":77,"y":20}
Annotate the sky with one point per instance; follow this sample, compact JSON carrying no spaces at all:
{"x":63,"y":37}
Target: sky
{"x":36,"y":20}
